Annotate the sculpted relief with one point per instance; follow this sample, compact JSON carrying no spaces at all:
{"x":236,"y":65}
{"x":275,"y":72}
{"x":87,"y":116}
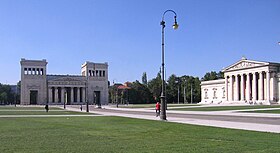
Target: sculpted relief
{"x":243,"y":65}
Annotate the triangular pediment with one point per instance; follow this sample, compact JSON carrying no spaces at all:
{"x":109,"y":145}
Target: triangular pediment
{"x":244,"y":64}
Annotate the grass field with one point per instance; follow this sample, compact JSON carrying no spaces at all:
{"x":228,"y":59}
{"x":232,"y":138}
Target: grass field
{"x":276,"y":111}
{"x":117,"y":134}
{"x":224,"y":108}
{"x":27,"y":108}
{"x":153,"y":105}
{"x":35,"y":111}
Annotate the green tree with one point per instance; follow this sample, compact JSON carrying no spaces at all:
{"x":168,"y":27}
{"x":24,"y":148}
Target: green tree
{"x":212,"y":76}
{"x":172,"y":88}
{"x":3,"y":98}
{"x":155,"y":87}
{"x":140,"y":94}
{"x":144,"y":79}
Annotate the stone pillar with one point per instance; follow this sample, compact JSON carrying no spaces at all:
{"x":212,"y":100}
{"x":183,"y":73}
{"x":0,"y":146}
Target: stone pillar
{"x":78,"y":94}
{"x":56,"y":94}
{"x":50,"y":95}
{"x":272,"y":86}
{"x":84,"y":94}
{"x":248,"y":87}
{"x":72,"y":94}
{"x":254,"y":87}
{"x":231,"y":88}
{"x":268,"y":86}
{"x":62,"y":95}
{"x":226,"y":87}
{"x":236,"y":92}
{"x":261,"y":88}
{"x":242,"y":87}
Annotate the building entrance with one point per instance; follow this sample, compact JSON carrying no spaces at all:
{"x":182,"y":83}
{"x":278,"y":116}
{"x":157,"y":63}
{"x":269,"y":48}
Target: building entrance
{"x":33,"y":97}
{"x":97,"y":98}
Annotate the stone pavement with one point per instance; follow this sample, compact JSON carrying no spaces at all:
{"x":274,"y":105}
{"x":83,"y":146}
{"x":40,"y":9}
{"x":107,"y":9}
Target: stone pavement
{"x":263,"y":122}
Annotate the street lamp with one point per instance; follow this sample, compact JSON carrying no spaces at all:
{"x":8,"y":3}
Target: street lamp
{"x":162,"y":97}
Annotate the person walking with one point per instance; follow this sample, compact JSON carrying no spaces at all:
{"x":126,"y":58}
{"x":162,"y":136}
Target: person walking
{"x":157,"y":109}
{"x":47,"y":108}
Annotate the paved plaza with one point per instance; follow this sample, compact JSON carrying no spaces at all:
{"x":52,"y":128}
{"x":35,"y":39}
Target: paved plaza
{"x":263,"y":122}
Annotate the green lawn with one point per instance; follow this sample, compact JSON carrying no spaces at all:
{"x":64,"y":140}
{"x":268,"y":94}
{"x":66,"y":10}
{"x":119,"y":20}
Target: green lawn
{"x":223,"y":108}
{"x":117,"y":134}
{"x":153,"y":105}
{"x":276,"y":111}
{"x":40,"y":113}
{"x":7,"y":110}
{"x":27,"y":108}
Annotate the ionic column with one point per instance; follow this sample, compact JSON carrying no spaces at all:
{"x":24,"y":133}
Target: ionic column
{"x":268,"y":86}
{"x":242,"y":87}
{"x":62,"y":94}
{"x":72,"y":94}
{"x":272,"y":86}
{"x":50,"y":95}
{"x":236,"y":92}
{"x":231,"y":88}
{"x":56,"y":94}
{"x":84,"y":94}
{"x":261,"y":86}
{"x":78,"y":94}
{"x":248,"y":87}
{"x":226,"y":82}
{"x":254,"y":86}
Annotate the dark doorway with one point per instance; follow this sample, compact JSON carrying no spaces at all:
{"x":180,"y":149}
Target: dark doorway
{"x":33,"y":97}
{"x":97,"y":98}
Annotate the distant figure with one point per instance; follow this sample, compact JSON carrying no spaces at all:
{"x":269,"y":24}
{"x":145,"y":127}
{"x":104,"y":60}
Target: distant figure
{"x":117,"y":105}
{"x":157,"y":109}
{"x":81,"y":107}
{"x":47,"y":108}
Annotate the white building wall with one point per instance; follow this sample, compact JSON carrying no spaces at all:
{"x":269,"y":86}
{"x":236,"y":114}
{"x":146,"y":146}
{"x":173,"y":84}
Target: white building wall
{"x":213,"y":91}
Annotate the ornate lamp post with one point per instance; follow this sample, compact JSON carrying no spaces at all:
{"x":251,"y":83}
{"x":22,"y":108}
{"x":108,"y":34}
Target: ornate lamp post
{"x":162,"y":97}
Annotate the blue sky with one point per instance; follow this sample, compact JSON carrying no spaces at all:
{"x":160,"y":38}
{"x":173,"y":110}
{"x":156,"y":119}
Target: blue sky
{"x":127,"y":34}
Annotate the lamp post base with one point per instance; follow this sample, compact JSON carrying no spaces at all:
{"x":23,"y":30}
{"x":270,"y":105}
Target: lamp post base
{"x":163,"y":109}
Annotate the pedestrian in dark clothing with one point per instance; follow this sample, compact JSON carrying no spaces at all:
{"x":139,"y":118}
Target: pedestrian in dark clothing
{"x":81,"y":107}
{"x":47,"y":108}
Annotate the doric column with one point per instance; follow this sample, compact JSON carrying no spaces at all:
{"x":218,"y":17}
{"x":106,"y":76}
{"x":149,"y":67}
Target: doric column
{"x":56,"y":94}
{"x":268,"y":86}
{"x":226,"y":87}
{"x":231,"y":88}
{"x":236,"y":92}
{"x":261,"y":89}
{"x":248,"y":87}
{"x":50,"y":95}
{"x":72,"y":94}
{"x":84,"y":94}
{"x":62,"y":95}
{"x":78,"y":94}
{"x":242,"y":87}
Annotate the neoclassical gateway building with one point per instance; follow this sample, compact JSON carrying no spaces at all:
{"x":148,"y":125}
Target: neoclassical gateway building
{"x":246,"y":81}
{"x":37,"y":87}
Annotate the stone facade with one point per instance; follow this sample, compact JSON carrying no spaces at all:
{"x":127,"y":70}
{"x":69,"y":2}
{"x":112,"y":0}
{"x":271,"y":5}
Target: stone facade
{"x":246,"y":81}
{"x":37,"y":87}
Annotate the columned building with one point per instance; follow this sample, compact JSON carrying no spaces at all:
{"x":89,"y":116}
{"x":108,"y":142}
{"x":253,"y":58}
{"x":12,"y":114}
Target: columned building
{"x":37,"y":87}
{"x":246,"y":81}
